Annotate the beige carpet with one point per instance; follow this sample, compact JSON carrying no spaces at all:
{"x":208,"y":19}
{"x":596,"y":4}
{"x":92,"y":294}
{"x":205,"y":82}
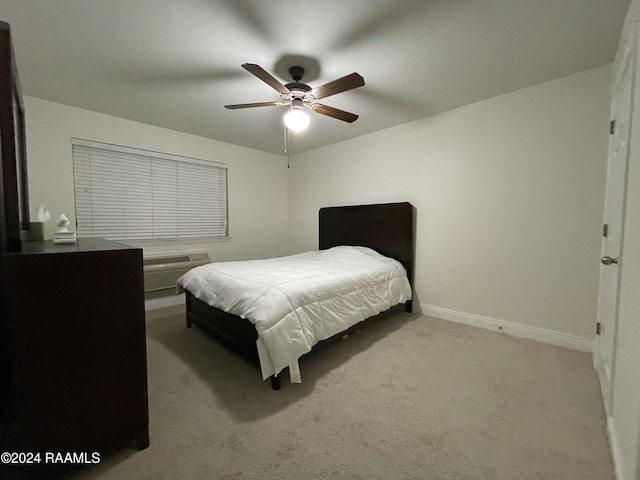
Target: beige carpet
{"x":409,"y":398}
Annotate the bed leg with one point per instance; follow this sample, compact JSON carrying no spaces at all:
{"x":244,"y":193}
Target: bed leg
{"x":187,"y":304}
{"x":408,"y":307}
{"x":275,"y":382}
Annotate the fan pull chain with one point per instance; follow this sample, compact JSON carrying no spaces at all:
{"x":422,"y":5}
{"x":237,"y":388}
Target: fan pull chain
{"x":286,"y":145}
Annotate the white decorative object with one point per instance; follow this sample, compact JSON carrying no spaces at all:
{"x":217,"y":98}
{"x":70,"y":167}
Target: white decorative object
{"x":62,"y":223}
{"x":43,"y":213}
{"x":63,"y":235}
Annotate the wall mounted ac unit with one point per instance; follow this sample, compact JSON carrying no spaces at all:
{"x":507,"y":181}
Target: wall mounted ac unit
{"x":161,"y":273}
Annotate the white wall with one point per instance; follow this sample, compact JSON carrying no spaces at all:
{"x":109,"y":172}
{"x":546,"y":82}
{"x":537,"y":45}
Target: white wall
{"x":257,"y":181}
{"x":509,"y":197}
{"x":624,"y":420}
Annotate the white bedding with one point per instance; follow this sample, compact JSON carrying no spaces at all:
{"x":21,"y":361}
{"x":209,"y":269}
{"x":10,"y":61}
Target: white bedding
{"x":298,"y":300}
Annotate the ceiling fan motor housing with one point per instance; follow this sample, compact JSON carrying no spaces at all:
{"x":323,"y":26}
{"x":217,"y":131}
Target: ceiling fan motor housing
{"x":300,"y":87}
{"x":297,"y":88}
{"x":296,"y":73}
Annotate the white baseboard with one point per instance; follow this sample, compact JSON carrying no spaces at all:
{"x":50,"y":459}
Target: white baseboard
{"x":164,"y":302}
{"x":510,"y":328}
{"x":614,"y":446}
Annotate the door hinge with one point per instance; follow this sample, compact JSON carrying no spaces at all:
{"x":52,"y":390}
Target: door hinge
{"x":598,"y":328}
{"x":605,"y":230}
{"x":612,"y":127}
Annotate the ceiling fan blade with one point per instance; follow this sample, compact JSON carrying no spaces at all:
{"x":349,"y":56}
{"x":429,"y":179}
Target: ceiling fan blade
{"x":251,"y":105}
{"x":266,"y":77}
{"x":348,"y":82}
{"x":334,"y":112}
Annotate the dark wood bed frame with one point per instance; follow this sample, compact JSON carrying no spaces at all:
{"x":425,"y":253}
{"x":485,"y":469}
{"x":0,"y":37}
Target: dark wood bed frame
{"x":387,"y":228}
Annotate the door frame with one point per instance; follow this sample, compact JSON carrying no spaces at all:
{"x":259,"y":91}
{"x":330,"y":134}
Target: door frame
{"x":628,"y":61}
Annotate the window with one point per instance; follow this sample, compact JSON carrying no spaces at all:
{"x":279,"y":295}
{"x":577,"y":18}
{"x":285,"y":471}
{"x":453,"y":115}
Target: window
{"x":136,"y":195}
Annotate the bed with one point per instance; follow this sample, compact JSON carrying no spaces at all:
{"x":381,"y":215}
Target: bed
{"x":377,"y":240}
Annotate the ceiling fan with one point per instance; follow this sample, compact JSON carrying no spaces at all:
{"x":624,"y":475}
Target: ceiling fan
{"x":299,"y":95}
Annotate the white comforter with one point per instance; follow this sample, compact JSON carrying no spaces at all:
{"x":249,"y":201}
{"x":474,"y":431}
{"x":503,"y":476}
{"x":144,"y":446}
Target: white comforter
{"x":298,"y":300}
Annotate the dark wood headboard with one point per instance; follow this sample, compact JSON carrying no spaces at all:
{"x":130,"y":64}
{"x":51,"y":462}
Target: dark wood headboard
{"x":388,"y":228}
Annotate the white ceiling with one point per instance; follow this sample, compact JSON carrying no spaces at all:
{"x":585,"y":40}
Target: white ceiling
{"x":175,"y":64}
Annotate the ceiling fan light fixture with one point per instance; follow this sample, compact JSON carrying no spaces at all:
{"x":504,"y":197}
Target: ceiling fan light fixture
{"x":296,"y":119}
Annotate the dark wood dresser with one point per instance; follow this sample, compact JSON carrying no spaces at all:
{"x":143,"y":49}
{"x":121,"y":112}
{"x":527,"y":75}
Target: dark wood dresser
{"x":77,"y":349}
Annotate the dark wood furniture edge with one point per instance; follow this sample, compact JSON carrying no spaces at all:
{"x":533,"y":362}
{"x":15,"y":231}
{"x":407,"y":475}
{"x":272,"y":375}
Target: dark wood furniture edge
{"x":14,"y":184}
{"x":43,"y":257}
{"x":141,"y":438}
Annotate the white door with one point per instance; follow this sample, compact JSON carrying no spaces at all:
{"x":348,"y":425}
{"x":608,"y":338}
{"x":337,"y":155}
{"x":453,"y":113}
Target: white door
{"x":612,"y":257}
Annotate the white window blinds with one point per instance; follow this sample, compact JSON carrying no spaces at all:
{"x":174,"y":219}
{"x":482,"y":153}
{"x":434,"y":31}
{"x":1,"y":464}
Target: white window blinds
{"x":128,"y":194}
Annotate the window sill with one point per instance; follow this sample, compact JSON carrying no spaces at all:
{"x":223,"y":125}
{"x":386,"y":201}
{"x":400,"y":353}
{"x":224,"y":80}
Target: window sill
{"x":174,"y":241}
